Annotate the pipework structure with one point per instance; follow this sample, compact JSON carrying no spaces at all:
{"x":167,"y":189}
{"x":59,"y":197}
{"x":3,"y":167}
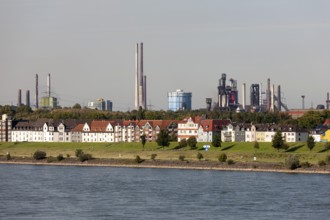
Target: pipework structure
{"x":227,"y":94}
{"x":140,"y":80}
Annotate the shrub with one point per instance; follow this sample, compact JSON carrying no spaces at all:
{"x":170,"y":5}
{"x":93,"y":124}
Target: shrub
{"x":68,"y":156}
{"x":79,"y":152}
{"x":230,"y":162}
{"x":183,"y":143}
{"x":192,"y":142}
{"x":292,"y":162}
{"x":138,"y":159}
{"x":222,"y":157}
{"x":322,"y":163}
{"x":182,"y":158}
{"x":83,"y":157}
{"x":50,"y":159}
{"x":8,"y":157}
{"x":305,"y":164}
{"x":199,"y":156}
{"x":327,"y":159}
{"x":39,"y":155}
{"x":60,"y":157}
{"x":153,"y":157}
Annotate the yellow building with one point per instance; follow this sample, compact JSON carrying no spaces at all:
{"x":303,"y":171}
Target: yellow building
{"x":48,"y":102}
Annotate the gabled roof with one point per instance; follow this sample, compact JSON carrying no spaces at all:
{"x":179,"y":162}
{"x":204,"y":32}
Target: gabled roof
{"x":78,"y":127}
{"x":213,"y":124}
{"x":99,"y":126}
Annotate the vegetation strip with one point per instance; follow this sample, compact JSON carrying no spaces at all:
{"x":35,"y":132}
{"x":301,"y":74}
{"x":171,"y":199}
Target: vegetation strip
{"x":170,"y":167}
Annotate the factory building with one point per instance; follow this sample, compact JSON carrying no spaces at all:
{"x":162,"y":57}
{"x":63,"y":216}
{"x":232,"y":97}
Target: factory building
{"x":47,"y":102}
{"x":100,"y":104}
{"x":179,"y":100}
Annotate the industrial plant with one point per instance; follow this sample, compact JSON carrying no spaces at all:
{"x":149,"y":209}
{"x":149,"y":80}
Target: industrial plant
{"x":228,"y":97}
{"x":48,"y":101}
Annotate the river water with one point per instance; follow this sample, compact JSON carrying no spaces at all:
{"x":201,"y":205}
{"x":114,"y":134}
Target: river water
{"x":72,"y":192}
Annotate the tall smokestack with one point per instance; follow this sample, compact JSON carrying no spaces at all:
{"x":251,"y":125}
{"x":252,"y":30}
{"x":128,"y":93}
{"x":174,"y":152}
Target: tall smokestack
{"x":272,"y":92}
{"x":27,"y":98}
{"x":268,"y":95}
{"x":243,"y":96}
{"x":48,"y":84}
{"x":279,"y":101}
{"x":141,"y":101}
{"x":37,"y":92}
{"x":137,"y":105}
{"x":145,"y":91}
{"x":19,"y":100}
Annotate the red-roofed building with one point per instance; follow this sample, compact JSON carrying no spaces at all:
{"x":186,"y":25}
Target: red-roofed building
{"x":210,"y":127}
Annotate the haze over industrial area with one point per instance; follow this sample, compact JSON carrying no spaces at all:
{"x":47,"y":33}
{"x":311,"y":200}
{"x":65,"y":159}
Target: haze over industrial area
{"x":89,"y":48}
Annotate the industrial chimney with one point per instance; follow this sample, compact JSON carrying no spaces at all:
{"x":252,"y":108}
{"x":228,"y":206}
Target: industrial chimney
{"x":37,"y":98}
{"x":27,"y":98}
{"x":48,"y":84}
{"x":145,"y":92}
{"x":243,"y":96}
{"x":141,"y":101}
{"x":19,"y":100}
{"x":136,"y":100}
{"x":279,"y":102}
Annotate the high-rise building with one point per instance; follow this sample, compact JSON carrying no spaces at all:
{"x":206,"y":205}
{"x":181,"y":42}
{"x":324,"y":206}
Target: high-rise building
{"x":100,"y":104}
{"x":5,"y":128}
{"x":179,"y":100}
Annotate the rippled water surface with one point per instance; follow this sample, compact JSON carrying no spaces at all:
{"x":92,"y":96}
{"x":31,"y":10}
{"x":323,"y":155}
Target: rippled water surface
{"x":56,"y":192}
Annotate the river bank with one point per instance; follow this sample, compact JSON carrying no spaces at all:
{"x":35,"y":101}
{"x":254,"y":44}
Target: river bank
{"x":171,"y":164}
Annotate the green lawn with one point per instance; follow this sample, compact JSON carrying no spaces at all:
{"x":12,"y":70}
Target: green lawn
{"x":237,"y":151}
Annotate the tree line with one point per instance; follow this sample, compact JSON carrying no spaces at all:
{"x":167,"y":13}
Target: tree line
{"x":309,"y":120}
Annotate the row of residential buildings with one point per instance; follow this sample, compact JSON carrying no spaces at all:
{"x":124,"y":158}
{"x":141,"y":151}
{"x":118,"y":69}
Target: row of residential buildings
{"x":71,"y":130}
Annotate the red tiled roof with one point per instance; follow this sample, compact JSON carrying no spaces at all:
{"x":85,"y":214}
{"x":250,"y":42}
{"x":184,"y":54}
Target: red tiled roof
{"x":100,"y":126}
{"x":79,"y":127}
{"x":327,"y":122}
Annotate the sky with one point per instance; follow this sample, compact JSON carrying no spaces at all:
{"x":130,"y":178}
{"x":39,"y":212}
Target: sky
{"x":88,"y":47}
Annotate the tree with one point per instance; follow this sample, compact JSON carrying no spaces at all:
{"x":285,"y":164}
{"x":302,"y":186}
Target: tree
{"x":222,"y":157}
{"x":163,"y":138}
{"x":278,"y":142}
{"x":143,"y":140}
{"x":192,"y":142}
{"x":310,"y":143}
{"x":256,"y":146}
{"x":183,"y":143}
{"x":76,"y":106}
{"x":199,"y":156}
{"x":216,"y":142}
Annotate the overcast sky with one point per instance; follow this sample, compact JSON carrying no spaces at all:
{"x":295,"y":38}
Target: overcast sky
{"x":88,"y":46}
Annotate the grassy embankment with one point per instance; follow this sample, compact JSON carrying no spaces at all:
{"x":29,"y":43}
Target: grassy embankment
{"x":240,"y":152}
